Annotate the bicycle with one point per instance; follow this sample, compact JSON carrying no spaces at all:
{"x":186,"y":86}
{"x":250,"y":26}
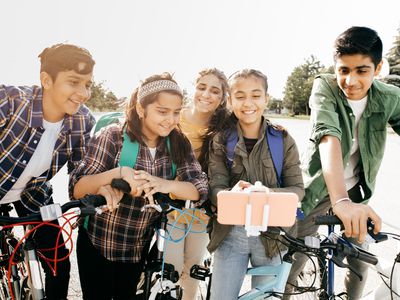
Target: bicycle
{"x":159,"y":280}
{"x":278,"y":275}
{"x":20,"y":275}
{"x":323,"y":268}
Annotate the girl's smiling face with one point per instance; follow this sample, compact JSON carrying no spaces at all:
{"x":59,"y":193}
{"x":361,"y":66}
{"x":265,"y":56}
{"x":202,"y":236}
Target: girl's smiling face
{"x":208,"y":94}
{"x":248,"y":98}
{"x":160,"y":117}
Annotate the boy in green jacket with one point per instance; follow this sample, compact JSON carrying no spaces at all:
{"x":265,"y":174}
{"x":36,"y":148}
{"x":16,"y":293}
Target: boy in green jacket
{"x":350,"y":113}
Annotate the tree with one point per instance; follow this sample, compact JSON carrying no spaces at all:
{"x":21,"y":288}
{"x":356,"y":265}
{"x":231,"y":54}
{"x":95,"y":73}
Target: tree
{"x":274,"y":105}
{"x":299,"y":84}
{"x":104,"y":100}
{"x":393,"y":58}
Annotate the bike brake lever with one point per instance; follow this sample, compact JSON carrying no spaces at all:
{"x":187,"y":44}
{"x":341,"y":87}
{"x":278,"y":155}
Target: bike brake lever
{"x":157,"y":207}
{"x":378,"y":237}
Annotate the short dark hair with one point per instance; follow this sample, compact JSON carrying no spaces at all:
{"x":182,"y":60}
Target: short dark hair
{"x":65,"y":57}
{"x":359,"y":40}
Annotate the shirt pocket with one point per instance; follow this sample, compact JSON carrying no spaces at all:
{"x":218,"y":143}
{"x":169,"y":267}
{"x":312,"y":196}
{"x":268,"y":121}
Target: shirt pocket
{"x":268,"y":173}
{"x":377,"y":138}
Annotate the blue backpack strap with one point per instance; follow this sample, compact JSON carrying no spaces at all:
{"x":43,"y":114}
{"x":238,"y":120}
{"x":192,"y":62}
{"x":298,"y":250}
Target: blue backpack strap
{"x":275,"y":144}
{"x":231,"y":142}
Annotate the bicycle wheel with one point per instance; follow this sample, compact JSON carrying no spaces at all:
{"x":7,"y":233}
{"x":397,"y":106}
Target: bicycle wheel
{"x":4,"y":291}
{"x":309,"y":281}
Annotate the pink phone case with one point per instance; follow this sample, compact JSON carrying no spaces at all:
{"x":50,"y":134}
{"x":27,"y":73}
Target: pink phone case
{"x":232,"y":208}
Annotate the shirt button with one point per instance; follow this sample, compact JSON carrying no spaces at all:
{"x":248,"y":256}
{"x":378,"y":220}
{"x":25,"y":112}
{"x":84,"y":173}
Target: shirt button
{"x":350,"y":114}
{"x":353,"y":140}
{"x":13,"y":180}
{"x":316,"y":200}
{"x":24,"y":161}
{"x":35,"y":141}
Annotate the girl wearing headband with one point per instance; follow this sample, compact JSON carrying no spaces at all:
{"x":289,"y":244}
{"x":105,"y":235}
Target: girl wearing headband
{"x":111,"y":250}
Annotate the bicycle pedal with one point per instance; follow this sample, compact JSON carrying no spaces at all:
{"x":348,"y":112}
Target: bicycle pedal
{"x":199,"y":272}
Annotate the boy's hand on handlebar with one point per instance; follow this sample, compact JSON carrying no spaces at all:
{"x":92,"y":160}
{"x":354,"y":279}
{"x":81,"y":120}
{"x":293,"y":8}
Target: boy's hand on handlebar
{"x":354,"y":217}
{"x":113,"y":196}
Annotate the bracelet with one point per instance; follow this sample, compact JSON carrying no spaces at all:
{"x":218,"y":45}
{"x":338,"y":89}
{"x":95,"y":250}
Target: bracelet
{"x":340,"y":200}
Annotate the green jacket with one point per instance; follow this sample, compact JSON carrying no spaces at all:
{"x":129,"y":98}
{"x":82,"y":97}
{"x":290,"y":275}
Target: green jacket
{"x":257,"y":166}
{"x":332,"y":115}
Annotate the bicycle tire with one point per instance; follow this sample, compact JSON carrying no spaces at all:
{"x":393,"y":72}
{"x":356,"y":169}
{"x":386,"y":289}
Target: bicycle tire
{"x":309,"y":281}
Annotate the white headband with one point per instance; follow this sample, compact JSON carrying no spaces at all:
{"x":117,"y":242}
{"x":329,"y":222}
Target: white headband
{"x":157,"y":86}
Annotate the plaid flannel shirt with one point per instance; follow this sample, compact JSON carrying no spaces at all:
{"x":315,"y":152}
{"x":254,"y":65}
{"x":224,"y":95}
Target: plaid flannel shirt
{"x":21,"y":118}
{"x":124,"y":234}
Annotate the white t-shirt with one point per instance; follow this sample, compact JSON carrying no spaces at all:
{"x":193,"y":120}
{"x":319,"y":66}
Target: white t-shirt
{"x":153,"y":152}
{"x":351,"y":170}
{"x":39,"y":162}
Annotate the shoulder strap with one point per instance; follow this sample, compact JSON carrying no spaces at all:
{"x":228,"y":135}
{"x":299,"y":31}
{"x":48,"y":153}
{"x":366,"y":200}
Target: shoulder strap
{"x":130,"y":152}
{"x":231,"y":142}
{"x":173,"y":164}
{"x":275,"y":143}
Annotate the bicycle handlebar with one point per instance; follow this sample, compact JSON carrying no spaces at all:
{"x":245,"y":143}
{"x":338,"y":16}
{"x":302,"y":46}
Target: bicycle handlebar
{"x":339,"y":248}
{"x":357,"y":253}
{"x":87,"y":205}
{"x":334,"y":220}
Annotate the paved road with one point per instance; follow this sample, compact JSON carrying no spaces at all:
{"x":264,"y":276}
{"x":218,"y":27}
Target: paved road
{"x":386,"y":200}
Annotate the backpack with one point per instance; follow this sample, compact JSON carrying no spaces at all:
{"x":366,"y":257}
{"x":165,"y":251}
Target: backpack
{"x":274,"y":139}
{"x":130,"y":150}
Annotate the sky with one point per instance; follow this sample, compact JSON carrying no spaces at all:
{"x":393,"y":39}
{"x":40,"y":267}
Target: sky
{"x":133,"y":39}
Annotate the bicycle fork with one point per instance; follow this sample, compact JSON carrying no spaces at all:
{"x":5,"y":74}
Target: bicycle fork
{"x":35,"y":282}
{"x":15,"y":278}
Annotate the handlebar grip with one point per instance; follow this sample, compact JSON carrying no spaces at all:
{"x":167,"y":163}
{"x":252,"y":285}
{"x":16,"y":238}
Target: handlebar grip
{"x":94,"y":201}
{"x":327,"y":220}
{"x":122,"y":185}
{"x":364,"y":256}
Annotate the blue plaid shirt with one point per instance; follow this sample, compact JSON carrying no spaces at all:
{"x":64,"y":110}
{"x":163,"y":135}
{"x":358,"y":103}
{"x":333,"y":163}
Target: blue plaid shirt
{"x":21,"y":117}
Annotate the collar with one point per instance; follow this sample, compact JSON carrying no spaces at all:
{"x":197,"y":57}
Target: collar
{"x":36,"y":113}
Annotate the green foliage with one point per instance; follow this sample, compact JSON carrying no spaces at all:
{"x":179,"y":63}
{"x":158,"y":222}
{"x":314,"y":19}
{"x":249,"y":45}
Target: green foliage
{"x":299,"y":84}
{"x":104,"y":100}
{"x":393,"y":58}
{"x":274,"y":105}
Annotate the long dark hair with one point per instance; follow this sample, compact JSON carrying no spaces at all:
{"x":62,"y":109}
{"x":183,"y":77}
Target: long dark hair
{"x":180,"y":145}
{"x":218,"y":119}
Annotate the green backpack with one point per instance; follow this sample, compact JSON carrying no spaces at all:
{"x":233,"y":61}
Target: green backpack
{"x":130,"y":150}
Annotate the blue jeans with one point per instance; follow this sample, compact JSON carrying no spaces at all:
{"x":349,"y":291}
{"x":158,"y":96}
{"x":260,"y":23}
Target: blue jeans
{"x":231,"y":260}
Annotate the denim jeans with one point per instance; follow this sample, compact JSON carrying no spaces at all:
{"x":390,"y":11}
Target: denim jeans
{"x":231,"y":260}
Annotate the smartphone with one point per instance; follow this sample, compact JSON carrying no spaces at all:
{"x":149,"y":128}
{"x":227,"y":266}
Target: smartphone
{"x":231,"y":208}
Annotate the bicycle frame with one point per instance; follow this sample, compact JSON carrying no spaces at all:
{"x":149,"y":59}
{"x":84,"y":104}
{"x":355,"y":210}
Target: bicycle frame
{"x":35,"y":281}
{"x":155,"y":265}
{"x":278,"y":276}
{"x":33,"y":289}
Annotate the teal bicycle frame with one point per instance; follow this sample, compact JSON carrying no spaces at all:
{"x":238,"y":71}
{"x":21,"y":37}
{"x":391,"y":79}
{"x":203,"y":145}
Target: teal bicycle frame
{"x":278,"y":276}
